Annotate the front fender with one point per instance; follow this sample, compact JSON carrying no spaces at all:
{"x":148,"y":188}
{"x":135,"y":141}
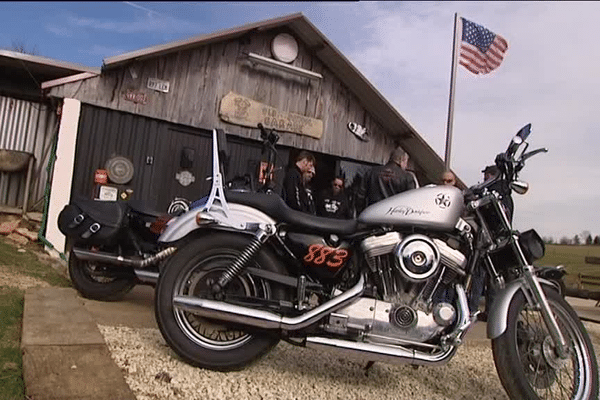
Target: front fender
{"x":498,"y":314}
{"x":186,"y":223}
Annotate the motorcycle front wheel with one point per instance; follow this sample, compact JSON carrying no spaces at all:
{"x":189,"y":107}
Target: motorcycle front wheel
{"x":192,"y":271}
{"x":94,"y":280}
{"x":526,"y":359}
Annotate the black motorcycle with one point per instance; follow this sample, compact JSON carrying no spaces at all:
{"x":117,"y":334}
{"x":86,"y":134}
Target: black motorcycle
{"x":114,"y":245}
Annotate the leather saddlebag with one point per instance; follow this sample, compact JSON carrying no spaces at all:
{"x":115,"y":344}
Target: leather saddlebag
{"x":92,"y":222}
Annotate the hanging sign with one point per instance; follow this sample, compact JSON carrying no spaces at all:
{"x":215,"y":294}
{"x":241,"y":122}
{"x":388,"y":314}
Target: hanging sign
{"x":240,"y":110}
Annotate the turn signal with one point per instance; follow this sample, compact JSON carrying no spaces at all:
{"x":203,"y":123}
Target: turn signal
{"x":519,"y":187}
{"x":204,"y":219}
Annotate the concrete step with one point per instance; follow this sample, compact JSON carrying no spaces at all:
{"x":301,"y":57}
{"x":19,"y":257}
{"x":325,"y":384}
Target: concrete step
{"x":64,"y":354}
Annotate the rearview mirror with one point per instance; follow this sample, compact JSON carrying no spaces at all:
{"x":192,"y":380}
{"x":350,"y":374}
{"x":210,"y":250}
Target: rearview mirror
{"x":524,"y":132}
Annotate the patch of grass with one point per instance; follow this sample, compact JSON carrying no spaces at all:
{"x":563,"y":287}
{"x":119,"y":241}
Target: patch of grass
{"x":11,"y":314}
{"x":11,"y":311}
{"x":28,"y":263}
{"x":573,"y":258}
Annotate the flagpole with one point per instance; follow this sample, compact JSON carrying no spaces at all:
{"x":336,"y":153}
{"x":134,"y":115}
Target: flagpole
{"x":451,"y":99}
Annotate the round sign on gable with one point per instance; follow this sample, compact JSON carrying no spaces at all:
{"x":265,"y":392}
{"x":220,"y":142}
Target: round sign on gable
{"x":284,"y":47}
{"x":120,"y":170}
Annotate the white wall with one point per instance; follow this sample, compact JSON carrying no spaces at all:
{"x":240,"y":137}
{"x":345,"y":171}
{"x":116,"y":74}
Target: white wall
{"x":62,"y":177}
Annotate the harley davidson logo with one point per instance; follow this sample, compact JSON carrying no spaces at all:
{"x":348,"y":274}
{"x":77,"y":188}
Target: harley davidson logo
{"x":406,"y":211}
{"x":442,"y":200}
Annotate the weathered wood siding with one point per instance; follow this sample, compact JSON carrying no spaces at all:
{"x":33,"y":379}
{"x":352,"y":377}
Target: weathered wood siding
{"x":199,"y":78}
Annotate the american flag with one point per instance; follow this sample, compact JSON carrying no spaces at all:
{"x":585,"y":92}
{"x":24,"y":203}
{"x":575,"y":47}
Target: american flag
{"x":481,"y":50}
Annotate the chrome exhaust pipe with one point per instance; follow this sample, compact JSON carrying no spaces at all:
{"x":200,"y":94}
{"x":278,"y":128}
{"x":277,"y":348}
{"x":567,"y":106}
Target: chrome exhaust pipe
{"x":379,"y":352}
{"x":144,"y":276}
{"x":265,"y":319}
{"x":121,"y":261}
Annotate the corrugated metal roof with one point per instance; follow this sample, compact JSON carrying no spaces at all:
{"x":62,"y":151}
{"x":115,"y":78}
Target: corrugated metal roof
{"x":46,"y":68}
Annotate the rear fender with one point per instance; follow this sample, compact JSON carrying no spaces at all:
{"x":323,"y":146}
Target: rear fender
{"x":239,"y":217}
{"x":498,"y":314}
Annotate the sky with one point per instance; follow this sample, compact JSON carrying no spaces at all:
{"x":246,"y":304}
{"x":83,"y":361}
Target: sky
{"x":550,"y":76}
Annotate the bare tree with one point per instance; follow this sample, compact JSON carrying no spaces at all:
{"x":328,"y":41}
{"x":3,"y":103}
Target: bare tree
{"x":20,"y":47}
{"x":565,"y":240}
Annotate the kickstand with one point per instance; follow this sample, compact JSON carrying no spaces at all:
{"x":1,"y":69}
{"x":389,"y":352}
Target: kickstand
{"x":368,"y":367}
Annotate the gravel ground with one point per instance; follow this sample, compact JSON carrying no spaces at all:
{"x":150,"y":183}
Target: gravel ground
{"x":153,"y":371}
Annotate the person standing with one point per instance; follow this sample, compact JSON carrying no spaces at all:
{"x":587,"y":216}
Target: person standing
{"x":383,"y":181}
{"x":296,"y":186}
{"x":448,"y":178}
{"x":333,"y":202}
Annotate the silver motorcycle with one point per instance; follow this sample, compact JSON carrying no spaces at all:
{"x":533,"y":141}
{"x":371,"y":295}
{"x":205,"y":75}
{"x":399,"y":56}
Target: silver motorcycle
{"x":392,"y":285}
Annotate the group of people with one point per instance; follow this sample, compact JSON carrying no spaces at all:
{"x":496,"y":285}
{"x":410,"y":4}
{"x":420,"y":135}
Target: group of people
{"x":299,"y":195}
{"x":378,"y":183}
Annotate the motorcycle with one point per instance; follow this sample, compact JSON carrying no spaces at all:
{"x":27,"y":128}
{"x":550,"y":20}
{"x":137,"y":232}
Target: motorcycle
{"x":391,"y":286}
{"x":114,"y":245}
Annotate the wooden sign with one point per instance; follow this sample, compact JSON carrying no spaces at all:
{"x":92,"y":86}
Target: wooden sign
{"x":240,"y":110}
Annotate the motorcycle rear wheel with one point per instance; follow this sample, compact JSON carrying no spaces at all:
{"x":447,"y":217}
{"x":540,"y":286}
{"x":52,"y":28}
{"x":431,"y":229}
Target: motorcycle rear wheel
{"x":192,"y":270}
{"x":93,"y":283}
{"x":526,"y":360}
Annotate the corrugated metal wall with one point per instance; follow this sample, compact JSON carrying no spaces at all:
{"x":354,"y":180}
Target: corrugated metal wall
{"x":26,"y":126}
{"x":155,"y":148}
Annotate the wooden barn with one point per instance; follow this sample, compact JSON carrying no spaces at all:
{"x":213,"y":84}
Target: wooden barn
{"x":147,"y":116}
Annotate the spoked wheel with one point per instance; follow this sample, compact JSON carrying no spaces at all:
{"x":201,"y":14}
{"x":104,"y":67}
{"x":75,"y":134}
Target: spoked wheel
{"x":526,"y":359}
{"x":95,"y":281}
{"x":192,"y":272}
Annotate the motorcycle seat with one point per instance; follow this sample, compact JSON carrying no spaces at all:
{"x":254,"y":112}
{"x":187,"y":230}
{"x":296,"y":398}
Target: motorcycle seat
{"x":141,"y":208}
{"x":274,"y":206}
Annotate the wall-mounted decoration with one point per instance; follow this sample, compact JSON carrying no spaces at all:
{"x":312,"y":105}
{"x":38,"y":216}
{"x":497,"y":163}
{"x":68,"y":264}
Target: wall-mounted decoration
{"x":119,"y":169}
{"x":157,"y":84}
{"x":136,"y":97}
{"x":239,"y":110}
{"x":284,"y":48}
{"x":108,"y":193}
{"x":359,"y":131}
{"x":185,"y":178}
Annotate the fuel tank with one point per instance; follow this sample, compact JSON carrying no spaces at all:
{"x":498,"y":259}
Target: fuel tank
{"x":435,"y":207}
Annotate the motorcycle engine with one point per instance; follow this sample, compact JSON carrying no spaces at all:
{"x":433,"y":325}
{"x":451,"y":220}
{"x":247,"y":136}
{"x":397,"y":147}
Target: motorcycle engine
{"x":408,"y":272}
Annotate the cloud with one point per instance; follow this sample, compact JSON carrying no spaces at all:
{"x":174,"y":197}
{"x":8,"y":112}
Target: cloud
{"x":103,"y":51}
{"x":549,"y":78}
{"x":147,"y":21}
{"x":59,"y":30}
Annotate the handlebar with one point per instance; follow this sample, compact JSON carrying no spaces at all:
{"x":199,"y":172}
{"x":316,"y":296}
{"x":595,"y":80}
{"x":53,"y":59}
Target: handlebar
{"x":507,"y":163}
{"x":269,"y":136}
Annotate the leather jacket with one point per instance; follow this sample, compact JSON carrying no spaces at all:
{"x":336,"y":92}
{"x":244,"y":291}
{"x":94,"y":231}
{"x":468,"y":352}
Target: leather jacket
{"x":383,"y":181}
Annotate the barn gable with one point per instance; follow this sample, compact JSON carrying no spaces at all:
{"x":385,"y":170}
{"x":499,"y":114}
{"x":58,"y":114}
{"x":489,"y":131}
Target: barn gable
{"x":200,"y":72}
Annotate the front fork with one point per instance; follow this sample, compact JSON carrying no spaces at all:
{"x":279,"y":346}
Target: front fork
{"x":539,"y":299}
{"x":533,"y":292}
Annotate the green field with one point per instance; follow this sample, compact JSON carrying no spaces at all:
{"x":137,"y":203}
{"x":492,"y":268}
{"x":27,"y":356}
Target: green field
{"x":573,"y":258}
